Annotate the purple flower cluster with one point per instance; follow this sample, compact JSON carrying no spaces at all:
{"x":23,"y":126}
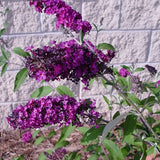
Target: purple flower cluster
{"x":67,"y":60}
{"x":58,"y":154}
{"x":27,"y":137}
{"x":62,"y":110}
{"x":66,"y":16}
{"x":124,"y":73}
{"x":158,"y":84}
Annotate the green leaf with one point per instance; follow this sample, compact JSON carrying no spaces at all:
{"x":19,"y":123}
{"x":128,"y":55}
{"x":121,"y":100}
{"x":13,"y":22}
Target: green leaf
{"x":125,"y":150}
{"x":113,"y":149}
{"x":63,"y":90}
{"x":71,"y":156}
{"x":2,"y":31}
{"x":4,"y":68}
{"x":129,"y":124}
{"x":42,"y":157}
{"x":51,"y":133}
{"x":61,"y":144}
{"x":116,"y":114}
{"x":91,"y":81}
{"x":108,"y":102}
{"x":66,"y":131}
{"x":104,"y":82}
{"x":21,"y":52}
{"x":83,"y":130}
{"x":21,"y":157}
{"x":42,"y":91}
{"x":105,"y":46}
{"x":81,"y":36}
{"x":150,"y":150}
{"x":35,"y":133}
{"x":92,"y":134}
{"x":144,"y":155}
{"x":112,"y":124}
{"x":78,"y":157}
{"x":138,"y":70}
{"x":126,"y":67}
{"x":93,"y":157}
{"x":5,"y":54}
{"x":134,"y":99}
{"x":2,"y":60}
{"x":39,"y":140}
{"x":20,"y":78}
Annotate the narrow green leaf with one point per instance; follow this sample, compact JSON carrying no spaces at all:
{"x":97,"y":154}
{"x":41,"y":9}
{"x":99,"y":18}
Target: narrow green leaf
{"x":112,"y":124}
{"x":126,"y":67}
{"x":2,"y":31}
{"x":150,"y":150}
{"x":42,"y":91}
{"x":91,"y":81}
{"x":108,"y":102}
{"x":125,"y":150}
{"x":83,"y":130}
{"x":35,"y":133}
{"x":2,"y":60}
{"x":6,"y":11}
{"x":104,"y":83}
{"x":42,"y":157}
{"x":105,"y":46}
{"x":4,"y":68}
{"x":20,"y":78}
{"x":61,"y":144}
{"x":71,"y":156}
{"x":63,"y":90}
{"x":21,"y":52}
{"x":113,"y":149}
{"x":138,"y":70}
{"x":5,"y":54}
{"x":92,"y":134}
{"x":129,"y":124}
{"x":78,"y":157}
{"x":39,"y":140}
{"x":66,"y":131}
{"x":93,"y":157}
{"x":51,"y":133}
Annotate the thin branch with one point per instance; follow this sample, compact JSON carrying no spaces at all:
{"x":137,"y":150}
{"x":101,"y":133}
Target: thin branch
{"x":135,"y":107}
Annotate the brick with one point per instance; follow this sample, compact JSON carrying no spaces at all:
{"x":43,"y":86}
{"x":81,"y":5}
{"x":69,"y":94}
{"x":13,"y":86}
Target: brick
{"x":21,"y":17}
{"x":154,"y":55}
{"x":130,"y":45}
{"x":49,"y":21}
{"x":5,"y":110}
{"x":140,"y":14}
{"x":94,"y":10}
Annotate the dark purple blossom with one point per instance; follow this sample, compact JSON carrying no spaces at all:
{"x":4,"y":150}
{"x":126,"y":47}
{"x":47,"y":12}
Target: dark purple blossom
{"x":67,"y":60}
{"x":27,"y":137}
{"x":123,"y":72}
{"x":66,"y":16}
{"x":62,"y":110}
{"x":151,"y":69}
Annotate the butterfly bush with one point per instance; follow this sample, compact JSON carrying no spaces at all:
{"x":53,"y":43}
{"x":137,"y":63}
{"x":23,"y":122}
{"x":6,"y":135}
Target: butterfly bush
{"x":62,"y":110}
{"x":66,"y":16}
{"x":68,"y":60}
{"x":27,"y":137}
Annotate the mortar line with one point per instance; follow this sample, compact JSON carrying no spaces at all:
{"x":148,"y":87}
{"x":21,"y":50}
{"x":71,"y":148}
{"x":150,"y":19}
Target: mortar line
{"x":59,"y":32}
{"x":149,"y":47}
{"x":120,"y":15}
{"x":13,"y":102}
{"x":41,"y":22}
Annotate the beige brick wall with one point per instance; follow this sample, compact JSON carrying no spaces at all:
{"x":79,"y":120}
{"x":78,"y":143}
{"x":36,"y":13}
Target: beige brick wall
{"x":132,"y":26}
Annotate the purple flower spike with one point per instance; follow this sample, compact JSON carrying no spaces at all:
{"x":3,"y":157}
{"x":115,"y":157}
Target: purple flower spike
{"x":123,"y":72}
{"x":66,"y":16}
{"x":67,"y":60}
{"x":62,"y":110}
{"x":158,"y":84}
